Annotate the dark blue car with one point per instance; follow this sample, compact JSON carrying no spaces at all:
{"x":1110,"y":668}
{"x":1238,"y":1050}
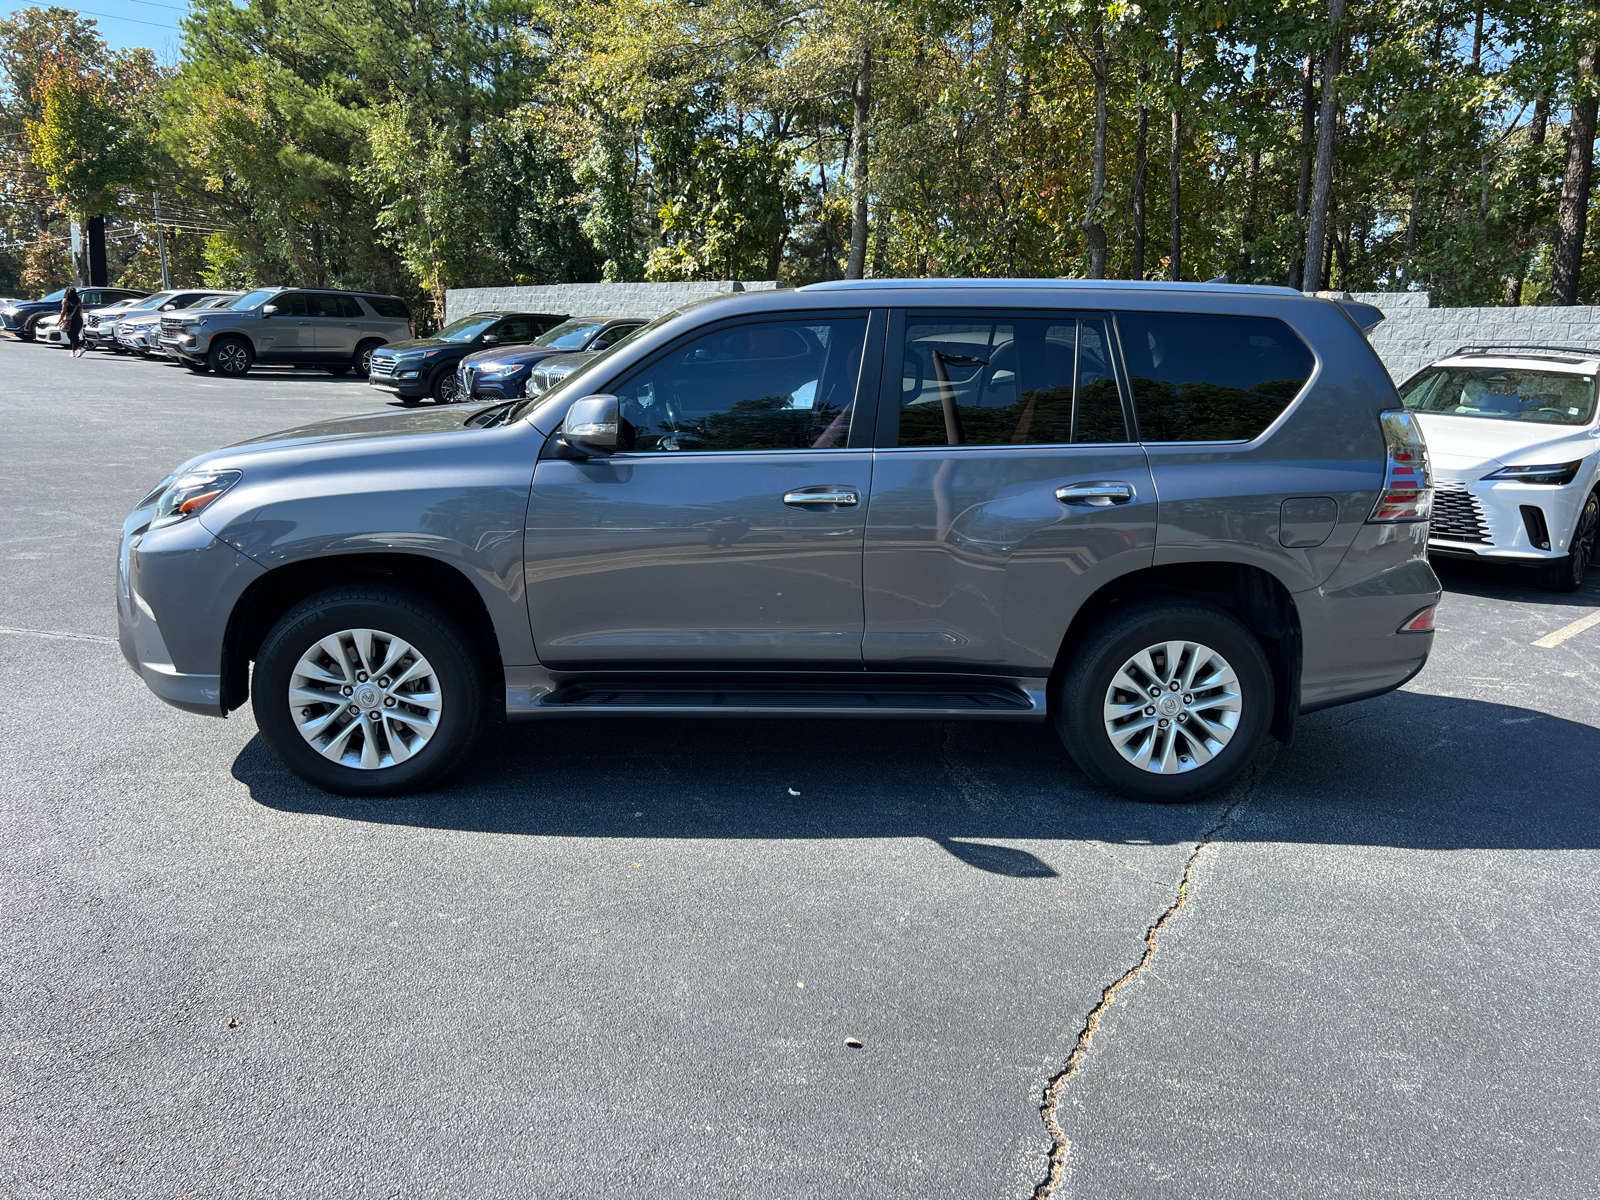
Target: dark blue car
{"x":20,"y":316}
{"x":500,"y":373}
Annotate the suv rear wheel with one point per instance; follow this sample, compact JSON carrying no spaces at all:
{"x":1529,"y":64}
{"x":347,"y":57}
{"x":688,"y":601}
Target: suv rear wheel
{"x":1567,"y":574}
{"x":231,"y":356}
{"x":1165,"y":702}
{"x":368,"y":691}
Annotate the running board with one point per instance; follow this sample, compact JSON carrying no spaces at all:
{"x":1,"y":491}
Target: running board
{"x":936,"y":700}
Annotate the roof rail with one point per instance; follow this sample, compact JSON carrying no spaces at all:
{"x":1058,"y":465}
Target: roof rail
{"x":1517,"y":349}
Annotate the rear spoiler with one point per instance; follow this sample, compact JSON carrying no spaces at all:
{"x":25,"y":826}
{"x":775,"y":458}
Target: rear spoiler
{"x":1365,"y":316}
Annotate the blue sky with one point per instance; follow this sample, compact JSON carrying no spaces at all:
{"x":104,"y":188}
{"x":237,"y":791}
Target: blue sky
{"x":125,"y":23}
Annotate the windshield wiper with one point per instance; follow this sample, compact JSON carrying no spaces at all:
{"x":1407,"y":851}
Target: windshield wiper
{"x":495,"y":414}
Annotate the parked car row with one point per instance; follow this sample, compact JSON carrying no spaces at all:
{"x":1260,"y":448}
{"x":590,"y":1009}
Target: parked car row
{"x":485,"y":356}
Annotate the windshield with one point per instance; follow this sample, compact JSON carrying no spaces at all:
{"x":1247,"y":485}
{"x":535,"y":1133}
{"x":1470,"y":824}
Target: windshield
{"x":213,"y":302}
{"x":155,"y":301}
{"x":254,"y":299}
{"x":56,"y":295}
{"x":586,"y":370}
{"x":464,"y":330}
{"x":569,"y":335}
{"x":1503,"y":394}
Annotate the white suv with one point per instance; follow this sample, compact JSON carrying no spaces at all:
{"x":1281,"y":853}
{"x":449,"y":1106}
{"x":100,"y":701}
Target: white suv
{"x":1515,"y":445}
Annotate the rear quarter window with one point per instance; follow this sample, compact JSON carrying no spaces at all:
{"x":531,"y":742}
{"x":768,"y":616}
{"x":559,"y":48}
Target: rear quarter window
{"x":1204,"y":377}
{"x":389,"y":306}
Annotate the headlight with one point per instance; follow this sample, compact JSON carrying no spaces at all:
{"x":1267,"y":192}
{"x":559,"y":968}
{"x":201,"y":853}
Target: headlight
{"x":1555,"y":473}
{"x":190,"y":494}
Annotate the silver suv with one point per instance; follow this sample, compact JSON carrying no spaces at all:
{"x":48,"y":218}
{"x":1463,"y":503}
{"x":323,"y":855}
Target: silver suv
{"x":302,"y":327}
{"x":1169,"y":519}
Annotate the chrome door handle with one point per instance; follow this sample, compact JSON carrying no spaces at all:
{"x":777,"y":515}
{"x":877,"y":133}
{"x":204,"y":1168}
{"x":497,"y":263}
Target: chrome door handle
{"x":818,"y":497}
{"x":1096,"y":495}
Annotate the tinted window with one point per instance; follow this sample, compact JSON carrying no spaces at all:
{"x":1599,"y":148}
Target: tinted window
{"x":514,"y":329}
{"x":773,"y":385}
{"x":295,"y":304}
{"x":389,"y":306}
{"x":348,"y":308}
{"x":1504,"y":394}
{"x":1007,"y":381}
{"x":1197,"y":377}
{"x":612,"y":336}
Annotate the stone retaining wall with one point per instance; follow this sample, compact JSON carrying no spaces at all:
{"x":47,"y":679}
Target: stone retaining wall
{"x":591,"y":299}
{"x":1412,"y":335}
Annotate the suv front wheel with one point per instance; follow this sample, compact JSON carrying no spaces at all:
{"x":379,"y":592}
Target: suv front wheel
{"x":230,"y":356}
{"x":1165,"y":702}
{"x":368,"y":691}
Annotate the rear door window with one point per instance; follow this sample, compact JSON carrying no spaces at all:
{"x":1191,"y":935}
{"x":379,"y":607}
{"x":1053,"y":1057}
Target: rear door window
{"x":769,"y":385}
{"x":389,"y":306}
{"x":1000,"y":381}
{"x":1204,"y":377}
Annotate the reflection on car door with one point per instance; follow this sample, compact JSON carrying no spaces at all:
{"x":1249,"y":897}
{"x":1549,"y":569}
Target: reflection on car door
{"x":287,"y":335}
{"x":1008,"y":488}
{"x":730,"y":533}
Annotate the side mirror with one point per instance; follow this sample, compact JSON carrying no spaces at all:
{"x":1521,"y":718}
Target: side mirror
{"x":591,"y":428}
{"x":168,"y":307}
{"x":491,"y":339}
{"x":268,"y":310}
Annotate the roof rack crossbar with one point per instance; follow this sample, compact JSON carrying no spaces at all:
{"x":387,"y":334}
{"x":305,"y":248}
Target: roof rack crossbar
{"x":1585,"y":351}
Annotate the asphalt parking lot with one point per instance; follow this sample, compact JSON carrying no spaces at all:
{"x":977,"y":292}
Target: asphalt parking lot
{"x":625,"y":959}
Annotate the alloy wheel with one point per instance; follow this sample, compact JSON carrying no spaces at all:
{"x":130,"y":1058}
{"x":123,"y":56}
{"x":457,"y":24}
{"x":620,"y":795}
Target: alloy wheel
{"x":1172,"y":707}
{"x":364,"y":698}
{"x":233,"y":359}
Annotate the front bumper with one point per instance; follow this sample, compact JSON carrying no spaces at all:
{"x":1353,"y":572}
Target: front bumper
{"x":1499,"y":519}
{"x":387,"y":377}
{"x":176,"y":589}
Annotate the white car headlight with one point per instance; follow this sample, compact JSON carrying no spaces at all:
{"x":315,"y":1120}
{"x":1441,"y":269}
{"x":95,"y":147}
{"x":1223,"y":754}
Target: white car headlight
{"x":1556,"y":474}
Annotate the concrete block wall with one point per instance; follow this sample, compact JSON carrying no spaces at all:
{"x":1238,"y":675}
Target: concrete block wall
{"x":1412,"y":335}
{"x":592,"y":299}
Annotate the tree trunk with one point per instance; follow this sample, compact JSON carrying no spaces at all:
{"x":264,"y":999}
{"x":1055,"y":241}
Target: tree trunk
{"x":1093,"y":231}
{"x":1327,"y":123}
{"x":1174,"y":184}
{"x":1571,"y":217}
{"x":1247,"y":226}
{"x":1140,"y":169}
{"x":858,"y":165}
{"x":1308,"y":132}
{"x":1539,"y":127}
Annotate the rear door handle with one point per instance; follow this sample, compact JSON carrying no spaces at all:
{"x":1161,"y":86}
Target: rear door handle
{"x":825,"y":496}
{"x":1096,"y":495}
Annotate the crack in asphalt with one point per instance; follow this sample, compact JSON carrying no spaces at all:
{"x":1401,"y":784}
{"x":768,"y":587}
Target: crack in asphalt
{"x":1048,"y":1109}
{"x":56,"y":636}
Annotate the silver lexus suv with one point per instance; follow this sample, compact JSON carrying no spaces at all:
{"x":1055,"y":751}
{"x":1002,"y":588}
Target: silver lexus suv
{"x":1169,"y":519}
{"x":276,"y":326}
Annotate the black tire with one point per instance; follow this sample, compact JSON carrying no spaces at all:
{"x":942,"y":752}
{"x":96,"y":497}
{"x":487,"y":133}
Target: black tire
{"x":1085,"y":687}
{"x":402,"y":614}
{"x":341,"y":369}
{"x":199,"y":368}
{"x":411,"y":401}
{"x":29,"y":331}
{"x":1567,"y":574}
{"x":231,"y":356}
{"x":446,"y":387}
{"x":363,"y":358}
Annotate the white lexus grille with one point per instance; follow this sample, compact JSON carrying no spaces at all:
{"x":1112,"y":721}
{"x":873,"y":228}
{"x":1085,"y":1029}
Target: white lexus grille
{"x":1457,"y":516}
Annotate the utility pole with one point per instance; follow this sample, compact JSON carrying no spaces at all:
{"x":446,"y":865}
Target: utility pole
{"x":161,"y":242}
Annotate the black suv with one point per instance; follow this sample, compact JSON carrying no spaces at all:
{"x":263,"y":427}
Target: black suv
{"x":425,"y":367}
{"x":20,"y":317}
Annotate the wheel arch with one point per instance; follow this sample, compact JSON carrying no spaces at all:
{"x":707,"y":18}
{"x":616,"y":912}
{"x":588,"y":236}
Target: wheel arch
{"x":1251,"y":593}
{"x":275,"y":593}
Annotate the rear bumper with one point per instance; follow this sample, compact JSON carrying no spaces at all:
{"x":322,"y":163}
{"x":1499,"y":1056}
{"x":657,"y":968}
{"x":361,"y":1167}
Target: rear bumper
{"x":1350,"y":625}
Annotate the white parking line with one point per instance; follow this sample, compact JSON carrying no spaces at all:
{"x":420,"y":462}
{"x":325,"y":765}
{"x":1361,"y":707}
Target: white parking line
{"x":1551,"y":640}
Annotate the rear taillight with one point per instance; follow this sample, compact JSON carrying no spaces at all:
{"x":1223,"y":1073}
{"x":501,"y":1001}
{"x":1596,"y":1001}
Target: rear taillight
{"x":411,"y":330}
{"x":1407,"y":478}
{"x":1421,"y":623}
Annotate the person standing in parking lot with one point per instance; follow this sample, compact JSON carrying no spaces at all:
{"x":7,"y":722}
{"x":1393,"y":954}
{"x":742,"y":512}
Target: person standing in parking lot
{"x":72,"y":319}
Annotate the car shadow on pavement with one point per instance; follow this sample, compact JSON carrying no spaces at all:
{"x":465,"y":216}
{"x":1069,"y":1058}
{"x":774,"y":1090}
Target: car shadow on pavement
{"x":1405,"y":770}
{"x":1496,"y":581}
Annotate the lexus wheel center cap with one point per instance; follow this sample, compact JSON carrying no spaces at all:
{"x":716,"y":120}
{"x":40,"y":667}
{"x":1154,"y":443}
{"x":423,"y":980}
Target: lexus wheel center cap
{"x":1170,"y":706}
{"x":368,"y":696}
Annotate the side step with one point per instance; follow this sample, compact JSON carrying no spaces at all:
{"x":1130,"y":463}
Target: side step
{"x":868,"y":698}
